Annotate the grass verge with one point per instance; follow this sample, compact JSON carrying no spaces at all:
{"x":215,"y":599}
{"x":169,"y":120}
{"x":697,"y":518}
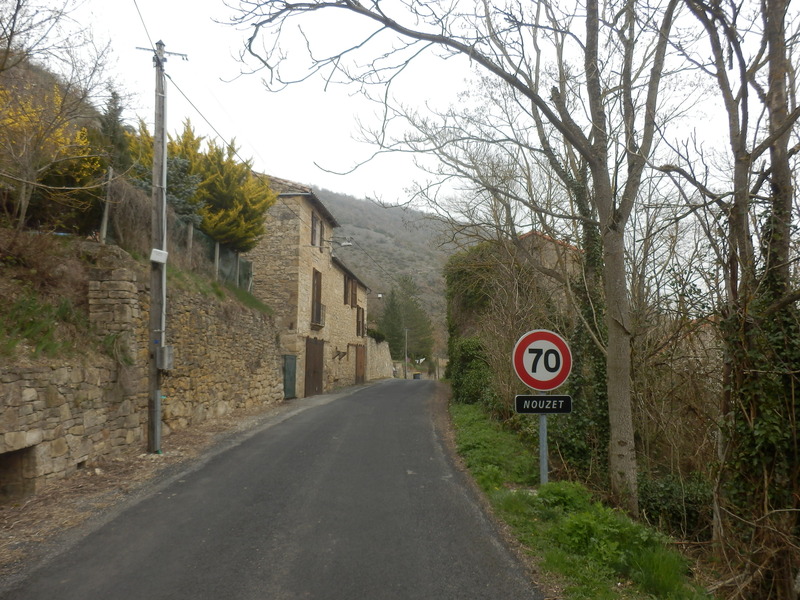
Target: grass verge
{"x":598,"y":551}
{"x":40,"y":324}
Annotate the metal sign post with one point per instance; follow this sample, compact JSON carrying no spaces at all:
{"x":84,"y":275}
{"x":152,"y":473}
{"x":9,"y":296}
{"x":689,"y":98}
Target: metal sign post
{"x":543,"y":361}
{"x":544,"y":467}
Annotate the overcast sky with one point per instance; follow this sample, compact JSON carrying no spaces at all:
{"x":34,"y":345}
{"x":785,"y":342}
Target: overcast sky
{"x":294,"y":134}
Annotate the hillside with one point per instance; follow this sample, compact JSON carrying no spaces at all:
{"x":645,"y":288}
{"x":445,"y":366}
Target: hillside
{"x":388,"y":242}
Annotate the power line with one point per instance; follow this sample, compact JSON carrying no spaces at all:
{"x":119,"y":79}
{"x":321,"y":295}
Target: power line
{"x":207,"y":121}
{"x":380,"y":266}
{"x":144,"y":26}
{"x":229,"y":144}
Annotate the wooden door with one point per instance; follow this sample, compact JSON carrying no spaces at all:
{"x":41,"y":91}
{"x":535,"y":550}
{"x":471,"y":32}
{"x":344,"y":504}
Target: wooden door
{"x":361,"y":364}
{"x":314,"y":364}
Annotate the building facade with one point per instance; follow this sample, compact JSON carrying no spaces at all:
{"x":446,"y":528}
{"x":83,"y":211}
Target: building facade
{"x":320,"y":305}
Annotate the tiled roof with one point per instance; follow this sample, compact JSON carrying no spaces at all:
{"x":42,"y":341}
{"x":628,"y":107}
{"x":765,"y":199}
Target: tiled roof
{"x":547,"y":238}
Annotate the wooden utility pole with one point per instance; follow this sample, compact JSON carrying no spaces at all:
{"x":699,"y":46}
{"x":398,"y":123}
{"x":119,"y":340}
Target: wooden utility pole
{"x":158,"y":257}
{"x":160,"y":353}
{"x":106,"y":207}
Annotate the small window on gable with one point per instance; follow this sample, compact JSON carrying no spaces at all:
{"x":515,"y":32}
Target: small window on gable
{"x":314,"y":225}
{"x":317,"y":308}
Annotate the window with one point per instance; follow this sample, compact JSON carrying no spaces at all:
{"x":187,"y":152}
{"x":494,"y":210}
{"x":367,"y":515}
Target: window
{"x":361,"y":323}
{"x":317,"y":231}
{"x":350,"y":291}
{"x":317,"y":308}
{"x":314,"y":225}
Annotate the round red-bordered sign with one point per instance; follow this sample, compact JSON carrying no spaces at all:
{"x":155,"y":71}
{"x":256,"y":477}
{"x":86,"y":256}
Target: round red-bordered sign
{"x":542,"y":360}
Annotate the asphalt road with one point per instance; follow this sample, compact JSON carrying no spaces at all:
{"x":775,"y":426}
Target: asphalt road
{"x":354,"y":497}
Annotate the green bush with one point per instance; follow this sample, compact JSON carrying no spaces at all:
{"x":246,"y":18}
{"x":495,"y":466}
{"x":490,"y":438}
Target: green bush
{"x":606,"y":536}
{"x":376,"y":335}
{"x":594,"y":547}
{"x":471,"y":377}
{"x":493,"y":456}
{"x":489,"y":477}
{"x":659,"y":571}
{"x":612,"y":541}
{"x":679,"y":507}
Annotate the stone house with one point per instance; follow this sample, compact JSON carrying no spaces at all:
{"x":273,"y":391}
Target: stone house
{"x":320,"y":305}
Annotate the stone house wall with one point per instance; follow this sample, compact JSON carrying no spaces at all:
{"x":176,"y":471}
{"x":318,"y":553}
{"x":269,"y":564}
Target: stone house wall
{"x":57,"y":416}
{"x":277,"y":262}
{"x":284,"y":263}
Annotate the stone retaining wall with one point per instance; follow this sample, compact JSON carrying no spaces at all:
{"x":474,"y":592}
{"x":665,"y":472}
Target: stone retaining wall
{"x":379,"y":360}
{"x":60,"y":415}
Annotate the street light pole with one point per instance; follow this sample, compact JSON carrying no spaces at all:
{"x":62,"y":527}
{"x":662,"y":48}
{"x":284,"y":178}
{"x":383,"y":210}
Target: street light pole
{"x":405,"y":361}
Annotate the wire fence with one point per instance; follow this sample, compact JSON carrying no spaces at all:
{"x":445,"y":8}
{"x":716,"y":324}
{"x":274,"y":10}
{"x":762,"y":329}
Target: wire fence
{"x":188,"y":247}
{"x":226,"y":264}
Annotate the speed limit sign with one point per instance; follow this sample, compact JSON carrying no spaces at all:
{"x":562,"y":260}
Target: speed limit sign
{"x":542,"y":360}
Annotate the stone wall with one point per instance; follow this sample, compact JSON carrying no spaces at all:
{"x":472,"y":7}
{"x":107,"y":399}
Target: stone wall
{"x":226,"y":357}
{"x":57,"y":416}
{"x":55,"y":419}
{"x":276,"y":262}
{"x":379,"y":360}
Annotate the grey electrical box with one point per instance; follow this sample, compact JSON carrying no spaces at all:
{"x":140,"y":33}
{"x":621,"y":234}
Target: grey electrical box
{"x":166,"y":358}
{"x":158,"y":256}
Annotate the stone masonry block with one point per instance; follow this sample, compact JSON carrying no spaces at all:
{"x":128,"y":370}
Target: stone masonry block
{"x":53,"y":397}
{"x":15,"y":440}
{"x":59,"y":447}
{"x":33,"y":437}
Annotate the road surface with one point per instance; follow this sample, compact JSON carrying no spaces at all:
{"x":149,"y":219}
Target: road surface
{"x":353,"y":496}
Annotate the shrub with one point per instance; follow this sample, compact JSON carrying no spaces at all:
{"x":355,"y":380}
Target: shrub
{"x":677,"y":506}
{"x":470,"y":374}
{"x":489,"y":477}
{"x":566,"y":496}
{"x":376,"y":335}
{"x":606,"y":536}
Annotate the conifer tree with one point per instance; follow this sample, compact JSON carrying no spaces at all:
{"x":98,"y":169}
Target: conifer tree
{"x":183,"y":154}
{"x":112,"y":130}
{"x":235,"y":200}
{"x":402,"y":312}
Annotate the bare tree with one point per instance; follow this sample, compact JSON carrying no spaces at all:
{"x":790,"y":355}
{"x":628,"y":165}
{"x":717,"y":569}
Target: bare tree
{"x":30,"y":29}
{"x":750,"y":202}
{"x":600,"y":96}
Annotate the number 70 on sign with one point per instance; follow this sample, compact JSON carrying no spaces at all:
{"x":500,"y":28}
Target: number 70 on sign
{"x":542,"y":360}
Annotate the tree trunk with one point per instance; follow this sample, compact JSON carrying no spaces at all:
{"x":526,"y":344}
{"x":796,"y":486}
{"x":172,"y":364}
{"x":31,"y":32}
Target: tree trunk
{"x":23,"y":200}
{"x":622,"y":448}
